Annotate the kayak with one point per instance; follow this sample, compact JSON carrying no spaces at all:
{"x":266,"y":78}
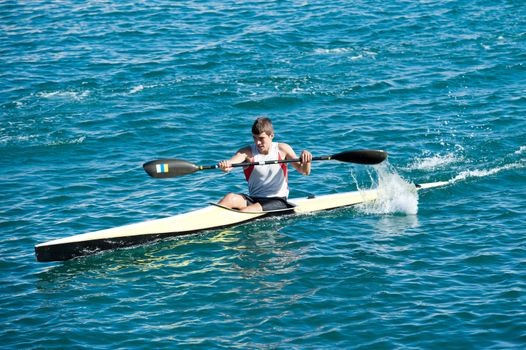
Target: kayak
{"x":212,"y":217}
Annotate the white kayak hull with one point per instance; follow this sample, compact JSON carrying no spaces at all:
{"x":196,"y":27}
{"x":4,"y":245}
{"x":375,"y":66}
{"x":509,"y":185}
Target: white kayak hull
{"x":208,"y":218}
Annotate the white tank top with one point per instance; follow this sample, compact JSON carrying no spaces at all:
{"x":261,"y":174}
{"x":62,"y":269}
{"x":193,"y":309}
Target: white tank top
{"x":267,"y":180}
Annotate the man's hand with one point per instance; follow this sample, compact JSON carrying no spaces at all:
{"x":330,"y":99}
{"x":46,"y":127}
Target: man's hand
{"x":225,"y":165}
{"x":306,"y":157}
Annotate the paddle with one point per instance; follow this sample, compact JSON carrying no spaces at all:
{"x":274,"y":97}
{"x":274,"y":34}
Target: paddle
{"x":166,"y":168}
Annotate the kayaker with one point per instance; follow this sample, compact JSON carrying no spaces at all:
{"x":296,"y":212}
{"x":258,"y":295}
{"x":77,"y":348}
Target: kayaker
{"x":268,"y":184}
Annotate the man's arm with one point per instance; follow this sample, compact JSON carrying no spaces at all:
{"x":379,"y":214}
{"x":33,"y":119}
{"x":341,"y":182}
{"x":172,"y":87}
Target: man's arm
{"x":241,"y":155}
{"x":305,"y":156}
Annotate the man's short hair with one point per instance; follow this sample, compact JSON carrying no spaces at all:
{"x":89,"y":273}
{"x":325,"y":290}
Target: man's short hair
{"x":262,"y":124}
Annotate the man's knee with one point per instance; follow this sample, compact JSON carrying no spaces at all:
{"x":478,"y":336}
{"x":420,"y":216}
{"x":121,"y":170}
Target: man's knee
{"x":233,"y":200}
{"x":230,"y":197}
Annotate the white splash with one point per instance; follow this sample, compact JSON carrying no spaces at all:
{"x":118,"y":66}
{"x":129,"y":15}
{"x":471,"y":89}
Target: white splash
{"x":78,"y":140}
{"x":488,"y":172}
{"x":333,"y":51}
{"x":395,"y":195}
{"x":521,"y":150}
{"x":137,"y":89}
{"x":357,"y":57}
{"x":69,"y":95}
{"x":435,"y":162}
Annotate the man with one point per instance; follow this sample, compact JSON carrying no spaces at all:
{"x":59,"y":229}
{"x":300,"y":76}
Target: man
{"x":267,"y":184}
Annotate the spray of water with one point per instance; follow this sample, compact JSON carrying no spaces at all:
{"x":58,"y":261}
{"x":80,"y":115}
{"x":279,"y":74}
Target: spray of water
{"x":398,"y":196}
{"x":395,"y":195}
{"x":467,"y":174}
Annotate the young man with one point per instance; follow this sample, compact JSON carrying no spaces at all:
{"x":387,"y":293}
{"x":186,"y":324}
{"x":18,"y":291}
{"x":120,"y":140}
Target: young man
{"x":267,"y":184}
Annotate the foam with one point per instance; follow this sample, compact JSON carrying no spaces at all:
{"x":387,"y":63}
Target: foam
{"x":74,"y":141}
{"x":435,"y":162}
{"x":464,"y":175}
{"x":70,"y":95}
{"x":136,"y":89}
{"x":333,"y":51}
{"x":395,"y":195}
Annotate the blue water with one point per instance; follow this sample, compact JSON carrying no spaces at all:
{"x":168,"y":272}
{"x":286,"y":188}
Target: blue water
{"x":91,"y":90}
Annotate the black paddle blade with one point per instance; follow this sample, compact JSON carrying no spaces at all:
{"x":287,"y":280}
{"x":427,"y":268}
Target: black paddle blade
{"x":165,"y":168}
{"x":363,"y":156}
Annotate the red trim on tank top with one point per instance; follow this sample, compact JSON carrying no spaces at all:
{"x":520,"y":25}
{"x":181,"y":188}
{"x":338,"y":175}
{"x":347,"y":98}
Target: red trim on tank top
{"x":248,"y":170}
{"x":285,"y":169}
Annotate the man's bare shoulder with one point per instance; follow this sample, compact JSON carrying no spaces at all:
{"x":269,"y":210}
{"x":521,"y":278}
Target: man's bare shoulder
{"x":284,"y":146}
{"x":247,"y":151}
{"x":286,"y":150}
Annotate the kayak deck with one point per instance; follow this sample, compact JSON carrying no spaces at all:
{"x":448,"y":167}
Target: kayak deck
{"x":208,"y":218}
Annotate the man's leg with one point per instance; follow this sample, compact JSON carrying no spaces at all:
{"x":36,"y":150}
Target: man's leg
{"x":234,"y":201}
{"x":237,"y":201}
{"x":253,"y":208}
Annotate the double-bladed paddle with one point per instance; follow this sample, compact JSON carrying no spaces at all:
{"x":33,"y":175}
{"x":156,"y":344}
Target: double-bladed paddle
{"x":166,"y":168}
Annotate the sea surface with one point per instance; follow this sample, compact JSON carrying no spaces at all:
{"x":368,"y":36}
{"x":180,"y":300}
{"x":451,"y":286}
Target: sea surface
{"x":90,"y":90}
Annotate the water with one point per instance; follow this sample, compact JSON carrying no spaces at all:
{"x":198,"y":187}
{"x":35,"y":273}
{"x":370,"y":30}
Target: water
{"x":91,"y":90}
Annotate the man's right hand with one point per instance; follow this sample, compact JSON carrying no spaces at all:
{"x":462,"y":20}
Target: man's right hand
{"x":225,"y":165}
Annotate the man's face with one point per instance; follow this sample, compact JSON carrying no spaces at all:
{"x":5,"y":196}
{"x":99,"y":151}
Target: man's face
{"x":263,"y":142}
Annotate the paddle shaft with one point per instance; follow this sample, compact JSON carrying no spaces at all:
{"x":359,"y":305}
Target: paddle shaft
{"x":267,"y":162}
